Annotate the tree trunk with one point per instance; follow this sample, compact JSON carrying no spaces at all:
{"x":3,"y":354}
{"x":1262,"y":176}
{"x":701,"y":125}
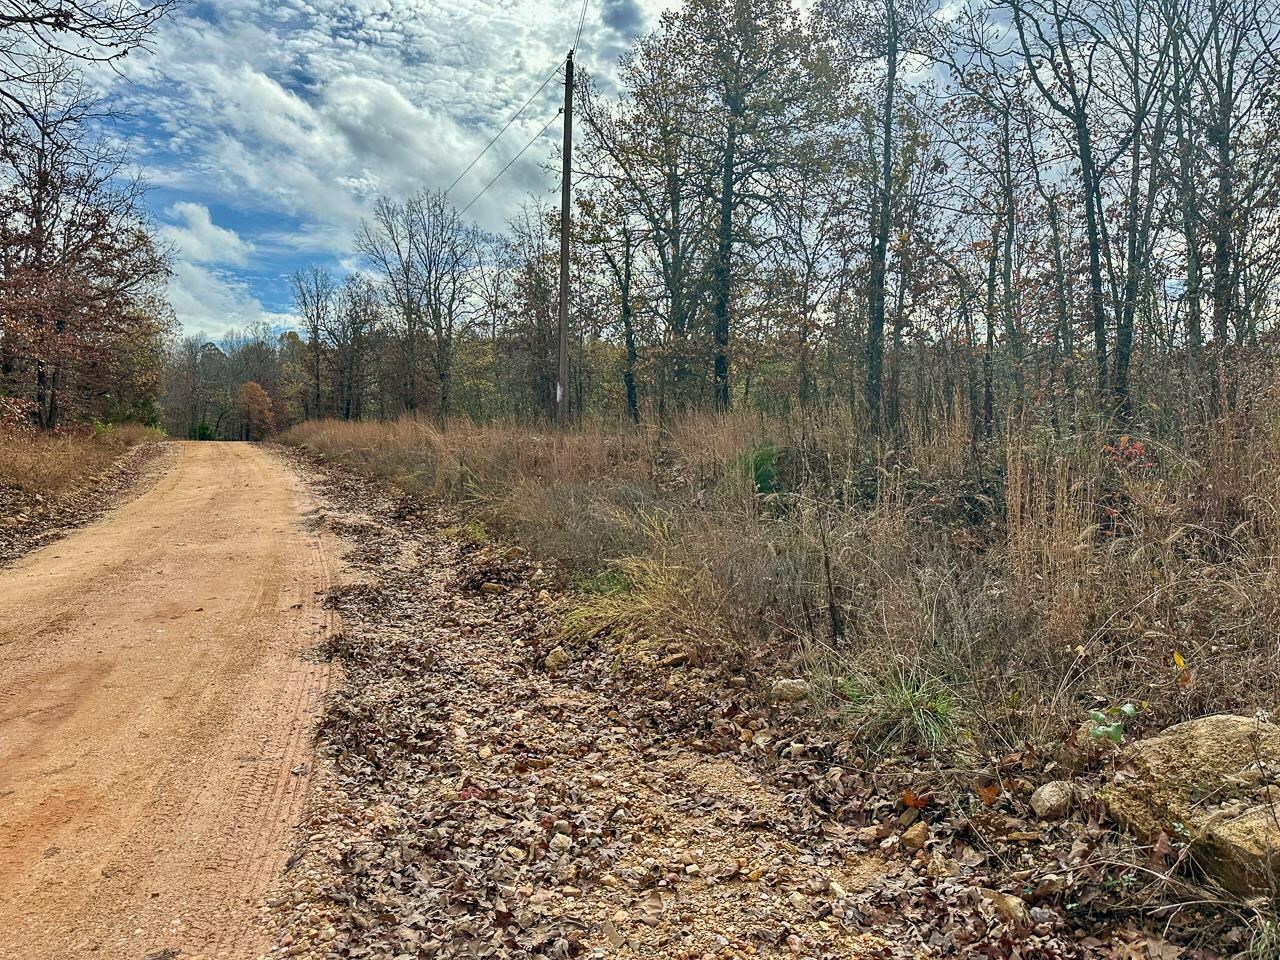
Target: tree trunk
{"x":722,"y":272}
{"x":880,"y":242}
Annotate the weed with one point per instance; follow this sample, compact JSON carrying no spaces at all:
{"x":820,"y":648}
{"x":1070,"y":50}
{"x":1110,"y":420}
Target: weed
{"x":469,"y":531}
{"x":660,"y":602}
{"x":607,"y":582}
{"x":901,"y":707}
{"x":1264,"y":944}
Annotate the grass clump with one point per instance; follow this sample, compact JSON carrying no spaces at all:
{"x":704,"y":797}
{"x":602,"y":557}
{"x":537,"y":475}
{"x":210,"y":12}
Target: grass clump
{"x":645,"y":602}
{"x":36,"y":464}
{"x":901,"y":707}
{"x":469,"y":531}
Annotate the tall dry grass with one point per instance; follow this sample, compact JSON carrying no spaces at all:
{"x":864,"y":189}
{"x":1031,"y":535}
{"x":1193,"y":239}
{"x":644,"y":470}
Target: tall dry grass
{"x":47,"y":465}
{"x":990,"y":595}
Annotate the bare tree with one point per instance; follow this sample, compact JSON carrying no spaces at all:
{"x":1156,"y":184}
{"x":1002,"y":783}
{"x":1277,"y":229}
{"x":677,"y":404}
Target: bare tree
{"x":315,"y":293}
{"x":34,"y":33}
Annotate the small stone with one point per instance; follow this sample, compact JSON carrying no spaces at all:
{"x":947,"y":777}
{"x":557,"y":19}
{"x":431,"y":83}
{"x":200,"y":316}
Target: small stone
{"x":558,"y":659}
{"x":916,"y":836}
{"x":561,"y":842}
{"x":1053,"y":800}
{"x":790,"y":691}
{"x":494,"y":588}
{"x":940,"y":867}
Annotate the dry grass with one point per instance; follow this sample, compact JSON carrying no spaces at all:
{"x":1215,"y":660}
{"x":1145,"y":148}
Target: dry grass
{"x":989,"y":597}
{"x":37,"y":464}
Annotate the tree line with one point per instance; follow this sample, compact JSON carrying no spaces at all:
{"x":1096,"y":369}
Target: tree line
{"x":1058,"y":209}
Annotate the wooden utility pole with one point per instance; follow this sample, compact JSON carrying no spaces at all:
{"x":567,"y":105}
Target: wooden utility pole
{"x":562,"y":377}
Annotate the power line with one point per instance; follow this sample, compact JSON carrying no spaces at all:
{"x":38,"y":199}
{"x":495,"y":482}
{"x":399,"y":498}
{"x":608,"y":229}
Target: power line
{"x":581,"y":20}
{"x":541,"y":87}
{"x":510,"y":162}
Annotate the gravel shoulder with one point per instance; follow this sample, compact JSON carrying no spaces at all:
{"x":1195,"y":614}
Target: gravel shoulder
{"x":471,"y":802}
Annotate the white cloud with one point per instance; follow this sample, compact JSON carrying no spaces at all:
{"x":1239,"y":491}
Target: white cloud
{"x":212,"y":302}
{"x":199,"y":240}
{"x":288,"y":117}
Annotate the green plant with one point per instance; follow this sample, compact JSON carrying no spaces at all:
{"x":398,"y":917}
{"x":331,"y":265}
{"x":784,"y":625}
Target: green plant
{"x":1264,"y":944}
{"x":761,"y":465}
{"x":1109,"y":723}
{"x":901,"y":707}
{"x":662,"y":601}
{"x":470,"y":531}
{"x":607,"y":582}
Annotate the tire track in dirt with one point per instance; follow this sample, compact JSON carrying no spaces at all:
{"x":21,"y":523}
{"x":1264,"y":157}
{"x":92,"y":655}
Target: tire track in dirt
{"x":157,"y":714}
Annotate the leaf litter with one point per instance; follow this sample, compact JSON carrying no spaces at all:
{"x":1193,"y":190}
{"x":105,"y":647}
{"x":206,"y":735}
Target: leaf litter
{"x":470,"y":802}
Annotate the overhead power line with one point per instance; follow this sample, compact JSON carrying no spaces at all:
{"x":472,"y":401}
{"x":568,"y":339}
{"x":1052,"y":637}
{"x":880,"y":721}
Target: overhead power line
{"x":510,"y":162}
{"x":542,"y":86}
{"x":581,"y":20}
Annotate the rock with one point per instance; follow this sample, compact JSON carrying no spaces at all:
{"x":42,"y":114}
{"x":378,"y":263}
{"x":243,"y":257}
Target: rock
{"x":916,"y":836}
{"x":558,"y":659}
{"x":940,"y":867}
{"x":1013,"y":910}
{"x":494,"y":588}
{"x":790,"y":691}
{"x":1204,"y":782}
{"x":1053,"y":800}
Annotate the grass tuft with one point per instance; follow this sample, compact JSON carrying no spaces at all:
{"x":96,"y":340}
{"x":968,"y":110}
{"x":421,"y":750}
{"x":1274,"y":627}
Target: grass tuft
{"x":901,"y":707}
{"x":35,"y":464}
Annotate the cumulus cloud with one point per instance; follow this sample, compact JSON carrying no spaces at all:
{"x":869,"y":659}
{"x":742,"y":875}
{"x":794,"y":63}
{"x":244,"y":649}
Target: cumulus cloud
{"x":199,"y":240}
{"x":288,"y":117}
{"x":212,"y":302}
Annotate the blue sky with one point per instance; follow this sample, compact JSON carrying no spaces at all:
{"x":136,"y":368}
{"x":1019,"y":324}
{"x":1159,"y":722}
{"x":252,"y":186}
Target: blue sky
{"x":267,"y":127}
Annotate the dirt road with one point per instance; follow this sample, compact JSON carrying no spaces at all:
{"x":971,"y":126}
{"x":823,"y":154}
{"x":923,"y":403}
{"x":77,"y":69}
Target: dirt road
{"x":156,"y":715}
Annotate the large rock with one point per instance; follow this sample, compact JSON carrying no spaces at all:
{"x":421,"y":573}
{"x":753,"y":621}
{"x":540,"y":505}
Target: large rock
{"x":1210,"y":783}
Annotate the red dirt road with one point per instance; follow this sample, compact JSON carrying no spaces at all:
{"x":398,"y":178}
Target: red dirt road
{"x":156,"y":715}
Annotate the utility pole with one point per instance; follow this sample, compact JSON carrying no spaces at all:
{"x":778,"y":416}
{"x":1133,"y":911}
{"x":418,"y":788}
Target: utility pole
{"x":562,"y":377}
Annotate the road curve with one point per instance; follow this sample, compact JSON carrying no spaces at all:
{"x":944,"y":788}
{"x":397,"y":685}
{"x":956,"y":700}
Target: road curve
{"x":156,"y":715}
